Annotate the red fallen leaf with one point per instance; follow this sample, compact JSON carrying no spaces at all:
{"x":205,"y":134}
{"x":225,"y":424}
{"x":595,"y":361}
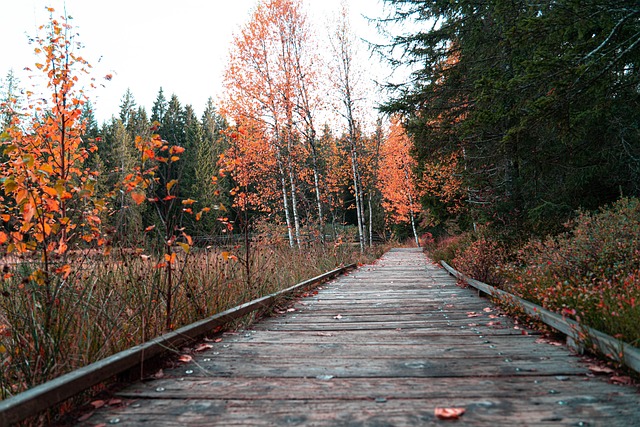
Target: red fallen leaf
{"x":98,"y":403}
{"x":548,"y":341}
{"x":449,"y":413}
{"x":338,"y":317}
{"x":203,"y":347}
{"x":291,"y":310}
{"x":493,"y":323}
{"x":85,"y":417}
{"x":600,"y":369}
{"x":472,"y":324}
{"x":523,"y":332}
{"x":472,"y":314}
{"x":185,"y":358}
{"x":493,"y":316}
{"x":487,"y":309}
{"x":114,"y":401}
{"x":621,"y":380}
{"x":218,"y":340}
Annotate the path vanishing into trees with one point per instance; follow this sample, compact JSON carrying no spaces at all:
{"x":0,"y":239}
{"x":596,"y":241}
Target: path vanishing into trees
{"x":382,"y":346}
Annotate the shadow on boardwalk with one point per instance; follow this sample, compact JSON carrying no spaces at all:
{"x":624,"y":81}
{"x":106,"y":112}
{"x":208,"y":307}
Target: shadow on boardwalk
{"x":382,"y":346}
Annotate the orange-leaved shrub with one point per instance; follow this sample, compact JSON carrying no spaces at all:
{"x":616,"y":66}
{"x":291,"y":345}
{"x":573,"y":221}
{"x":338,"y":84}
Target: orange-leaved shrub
{"x":591,"y":273}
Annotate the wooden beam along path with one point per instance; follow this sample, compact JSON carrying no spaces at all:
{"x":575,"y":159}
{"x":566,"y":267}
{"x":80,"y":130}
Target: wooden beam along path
{"x":382,"y":346}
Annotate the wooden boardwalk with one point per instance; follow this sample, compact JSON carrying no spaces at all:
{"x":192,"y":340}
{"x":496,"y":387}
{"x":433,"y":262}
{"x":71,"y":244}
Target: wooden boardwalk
{"x":382,"y":346}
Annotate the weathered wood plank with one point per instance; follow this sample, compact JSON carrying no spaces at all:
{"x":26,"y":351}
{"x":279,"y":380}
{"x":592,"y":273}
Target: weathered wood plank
{"x":515,"y":411}
{"x":370,"y":388}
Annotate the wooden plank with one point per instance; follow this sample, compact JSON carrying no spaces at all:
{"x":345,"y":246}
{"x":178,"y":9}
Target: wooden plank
{"x":379,"y":411}
{"x":41,"y":397}
{"x":370,"y":388}
{"x":399,"y":367}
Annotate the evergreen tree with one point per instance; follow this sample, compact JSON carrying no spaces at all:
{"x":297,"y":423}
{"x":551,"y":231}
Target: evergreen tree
{"x":539,"y":101}
{"x":127,"y":108}
{"x":10,"y":99}
{"x":159,"y":107}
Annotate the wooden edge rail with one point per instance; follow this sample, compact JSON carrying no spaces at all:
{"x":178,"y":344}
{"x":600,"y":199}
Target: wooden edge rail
{"x":43,"y":396}
{"x":576,"y":333}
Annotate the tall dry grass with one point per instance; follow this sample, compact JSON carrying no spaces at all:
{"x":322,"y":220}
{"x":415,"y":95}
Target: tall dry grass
{"x":108,"y":304}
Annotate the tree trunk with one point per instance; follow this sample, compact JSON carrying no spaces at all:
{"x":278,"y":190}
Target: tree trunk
{"x":294,"y":207}
{"x":370,"y":222}
{"x":356,"y":191}
{"x":285,"y":202}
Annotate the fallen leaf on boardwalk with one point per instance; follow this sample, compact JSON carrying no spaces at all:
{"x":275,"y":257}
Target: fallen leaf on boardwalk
{"x":621,"y":380}
{"x":449,"y":413}
{"x":159,"y":374}
{"x":290,"y":310}
{"x":85,"y":417}
{"x":114,"y":401}
{"x":185,"y":358}
{"x":325,"y":334}
{"x":203,"y":347}
{"x":600,"y":369}
{"x":338,"y":317}
{"x":493,"y":323}
{"x":472,"y":314}
{"x":218,"y":340}
{"x":472,"y":324}
{"x":493,"y":316}
{"x":487,"y":309}
{"x":98,"y":403}
{"x":548,"y":341}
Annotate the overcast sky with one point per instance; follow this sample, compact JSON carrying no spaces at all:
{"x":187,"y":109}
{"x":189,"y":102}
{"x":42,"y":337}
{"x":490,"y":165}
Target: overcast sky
{"x":180,"y":45}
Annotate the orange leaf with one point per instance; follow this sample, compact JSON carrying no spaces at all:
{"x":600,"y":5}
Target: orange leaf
{"x":185,"y":358}
{"x":149,"y":228}
{"x":188,"y":202}
{"x":138,"y":197}
{"x":6,"y":217}
{"x":98,"y":403}
{"x":171,"y":183}
{"x":3,"y":237}
{"x":62,"y":248}
{"x":203,"y":347}
{"x":449,"y":413}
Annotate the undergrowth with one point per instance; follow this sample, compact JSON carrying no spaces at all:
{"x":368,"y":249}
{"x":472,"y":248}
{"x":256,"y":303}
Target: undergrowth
{"x":591,"y":273}
{"x":108,"y":304}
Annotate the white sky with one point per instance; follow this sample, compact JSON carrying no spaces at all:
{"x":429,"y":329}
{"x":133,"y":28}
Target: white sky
{"x":180,"y":45}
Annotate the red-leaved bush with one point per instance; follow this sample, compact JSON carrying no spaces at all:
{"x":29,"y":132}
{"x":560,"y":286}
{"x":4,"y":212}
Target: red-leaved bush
{"x":591,"y":273}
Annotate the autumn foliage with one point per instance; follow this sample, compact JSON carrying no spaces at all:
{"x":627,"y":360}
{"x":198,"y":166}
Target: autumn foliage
{"x":396,"y":177}
{"x":49,"y":206}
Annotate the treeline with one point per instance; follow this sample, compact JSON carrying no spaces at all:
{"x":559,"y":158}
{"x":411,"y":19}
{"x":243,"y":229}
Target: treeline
{"x":205,"y":174}
{"x":533,"y":107}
